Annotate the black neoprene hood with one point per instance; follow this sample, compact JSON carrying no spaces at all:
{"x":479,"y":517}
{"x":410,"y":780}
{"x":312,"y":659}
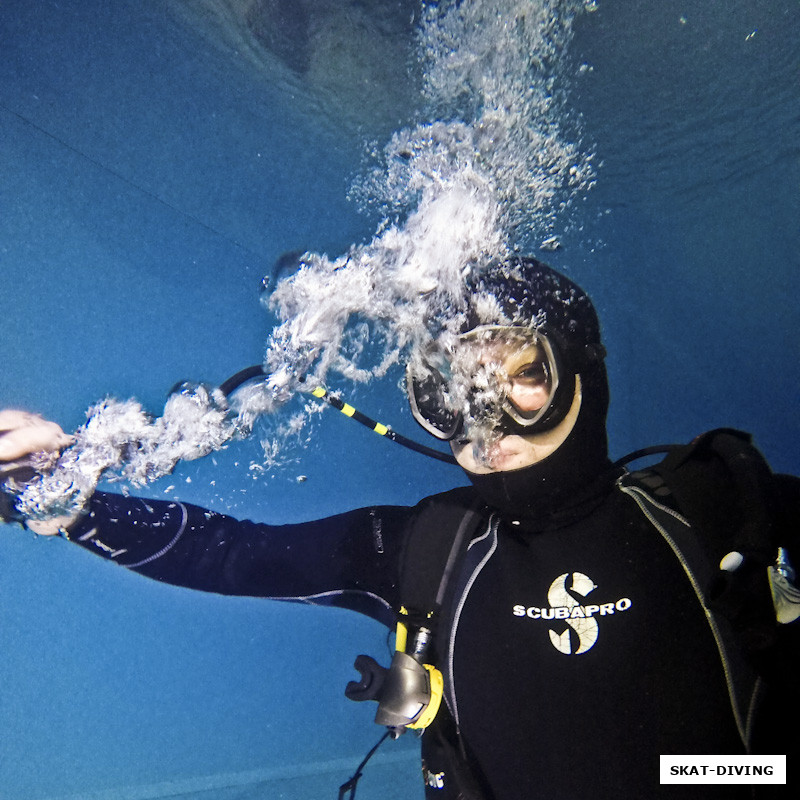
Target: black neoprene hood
{"x":524,"y":291}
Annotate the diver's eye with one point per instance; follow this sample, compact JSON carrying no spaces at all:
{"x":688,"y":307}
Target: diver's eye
{"x":533,"y":374}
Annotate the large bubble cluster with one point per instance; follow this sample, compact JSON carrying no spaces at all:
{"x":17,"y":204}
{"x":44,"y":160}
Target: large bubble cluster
{"x":486,"y":171}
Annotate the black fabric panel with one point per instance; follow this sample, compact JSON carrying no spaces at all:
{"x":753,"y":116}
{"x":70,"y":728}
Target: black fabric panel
{"x":352,"y":555}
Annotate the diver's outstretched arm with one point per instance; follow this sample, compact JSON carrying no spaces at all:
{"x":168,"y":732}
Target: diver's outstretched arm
{"x":348,"y":560}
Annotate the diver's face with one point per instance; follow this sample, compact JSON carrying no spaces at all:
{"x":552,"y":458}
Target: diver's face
{"x":518,"y":370}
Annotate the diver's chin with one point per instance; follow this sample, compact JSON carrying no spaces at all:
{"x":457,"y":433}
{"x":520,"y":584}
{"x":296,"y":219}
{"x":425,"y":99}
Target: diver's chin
{"x":503,"y":453}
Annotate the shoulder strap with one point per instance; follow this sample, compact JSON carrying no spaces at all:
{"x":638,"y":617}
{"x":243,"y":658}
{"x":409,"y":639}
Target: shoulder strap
{"x":723,"y":486}
{"x":433,"y":547}
{"x":653,"y":498}
{"x":724,"y":465}
{"x":712,"y":501}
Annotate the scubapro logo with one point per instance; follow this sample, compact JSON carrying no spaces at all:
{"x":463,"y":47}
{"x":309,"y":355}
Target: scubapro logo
{"x":581,"y":619}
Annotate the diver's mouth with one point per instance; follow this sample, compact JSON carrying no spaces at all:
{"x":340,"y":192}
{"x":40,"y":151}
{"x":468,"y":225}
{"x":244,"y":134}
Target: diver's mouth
{"x":495,"y":453}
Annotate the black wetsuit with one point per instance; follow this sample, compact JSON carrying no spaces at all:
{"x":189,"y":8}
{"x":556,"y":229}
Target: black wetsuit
{"x":574,"y":653}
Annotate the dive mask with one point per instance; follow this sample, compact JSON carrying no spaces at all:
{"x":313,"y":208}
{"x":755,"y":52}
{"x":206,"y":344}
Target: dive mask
{"x":512,"y":379}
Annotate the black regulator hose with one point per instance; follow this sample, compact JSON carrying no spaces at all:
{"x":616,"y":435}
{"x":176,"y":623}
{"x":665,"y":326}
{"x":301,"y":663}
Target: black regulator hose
{"x":257,"y":371}
{"x":8,"y":512}
{"x":242,"y":376}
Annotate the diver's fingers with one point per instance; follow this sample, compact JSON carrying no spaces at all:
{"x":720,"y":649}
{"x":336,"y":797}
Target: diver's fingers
{"x":22,"y":433}
{"x":50,"y":527}
{"x":11,"y":418}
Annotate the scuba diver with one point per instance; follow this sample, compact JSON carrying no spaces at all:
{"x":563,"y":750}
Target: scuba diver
{"x":562,"y":621}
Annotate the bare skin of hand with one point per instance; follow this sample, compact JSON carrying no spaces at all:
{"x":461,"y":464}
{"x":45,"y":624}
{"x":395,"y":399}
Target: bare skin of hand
{"x":24,"y":439}
{"x":23,"y":434}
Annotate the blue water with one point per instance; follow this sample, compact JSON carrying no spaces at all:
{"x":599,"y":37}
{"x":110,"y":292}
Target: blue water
{"x":150,"y":177}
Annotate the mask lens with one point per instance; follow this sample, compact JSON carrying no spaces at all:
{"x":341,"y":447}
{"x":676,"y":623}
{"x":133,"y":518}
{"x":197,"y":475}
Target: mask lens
{"x":427,"y":393}
{"x":530,"y":389}
{"x":498,"y":377}
{"x":526,"y":367}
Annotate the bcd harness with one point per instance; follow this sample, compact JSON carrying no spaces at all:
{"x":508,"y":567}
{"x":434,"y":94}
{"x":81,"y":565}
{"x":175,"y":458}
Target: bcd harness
{"x":737,"y":567}
{"x":409,"y":692}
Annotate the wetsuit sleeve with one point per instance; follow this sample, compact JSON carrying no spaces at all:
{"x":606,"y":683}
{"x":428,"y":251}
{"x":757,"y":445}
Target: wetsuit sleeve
{"x":348,"y":560}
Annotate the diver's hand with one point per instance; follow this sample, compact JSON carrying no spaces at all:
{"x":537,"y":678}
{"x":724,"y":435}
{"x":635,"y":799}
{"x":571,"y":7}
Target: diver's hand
{"x":23,"y":434}
{"x":27,"y":443}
